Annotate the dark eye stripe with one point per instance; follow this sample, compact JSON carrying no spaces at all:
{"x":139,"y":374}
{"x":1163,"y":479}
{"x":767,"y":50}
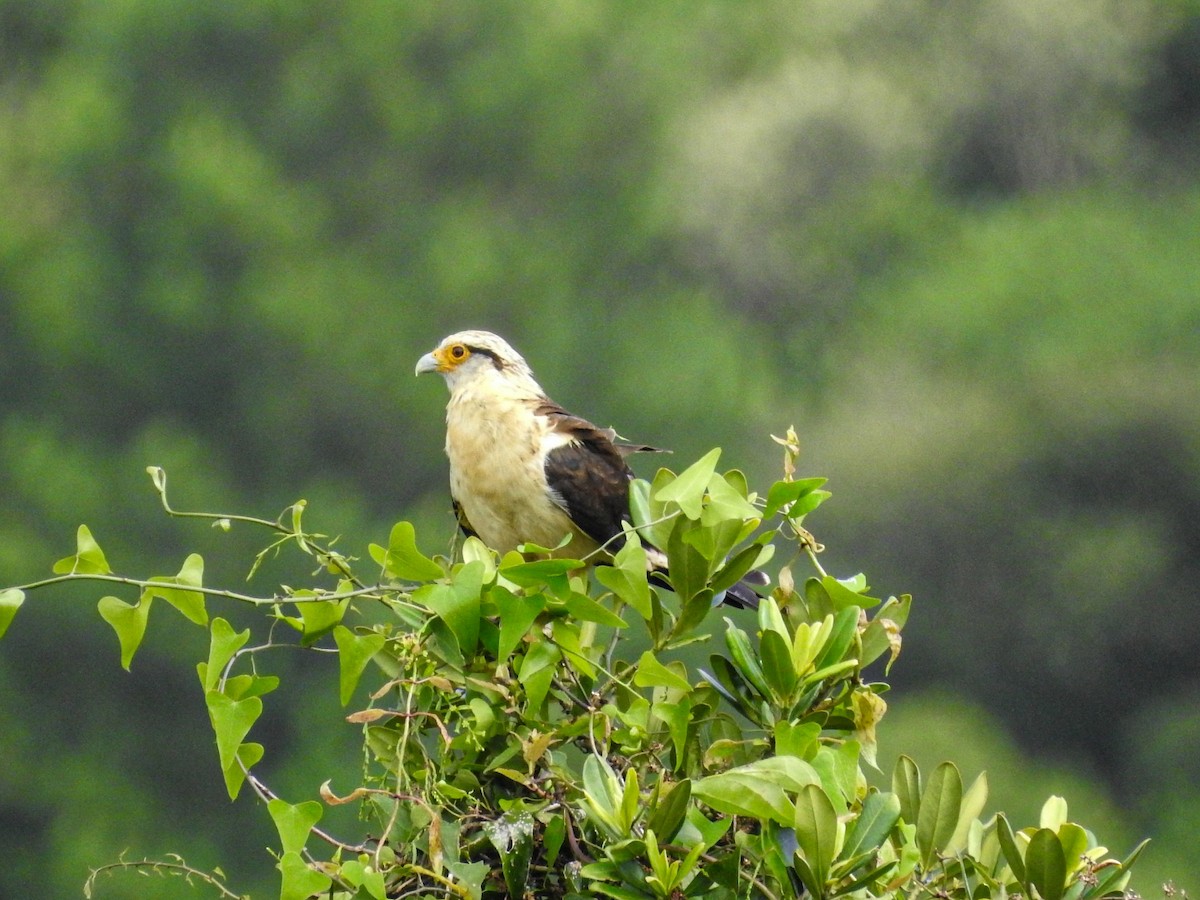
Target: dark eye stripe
{"x":490,"y":354}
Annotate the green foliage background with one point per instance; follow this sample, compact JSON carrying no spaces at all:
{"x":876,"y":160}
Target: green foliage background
{"x":956,"y":245}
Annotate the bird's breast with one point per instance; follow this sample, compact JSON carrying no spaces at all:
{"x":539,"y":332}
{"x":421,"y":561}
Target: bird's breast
{"x":497,"y":475}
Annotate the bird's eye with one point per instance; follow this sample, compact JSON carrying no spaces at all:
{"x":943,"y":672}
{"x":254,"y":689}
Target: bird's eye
{"x":458,"y":351}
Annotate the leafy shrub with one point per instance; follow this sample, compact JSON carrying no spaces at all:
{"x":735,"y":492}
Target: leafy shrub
{"x":516,"y":746}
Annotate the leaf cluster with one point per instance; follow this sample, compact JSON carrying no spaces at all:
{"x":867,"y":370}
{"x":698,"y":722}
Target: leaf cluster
{"x":535,"y":729}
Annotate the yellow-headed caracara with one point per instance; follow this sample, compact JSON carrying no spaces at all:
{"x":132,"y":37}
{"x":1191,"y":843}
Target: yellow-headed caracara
{"x":523,"y":469}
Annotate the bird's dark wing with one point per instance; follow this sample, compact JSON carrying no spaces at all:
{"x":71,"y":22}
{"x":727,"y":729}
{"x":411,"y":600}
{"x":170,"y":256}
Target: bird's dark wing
{"x":461,"y":518}
{"x":588,"y":477}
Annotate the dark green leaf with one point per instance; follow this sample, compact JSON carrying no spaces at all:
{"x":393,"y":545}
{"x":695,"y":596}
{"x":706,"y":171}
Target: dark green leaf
{"x":906,"y":785}
{"x":512,"y":836}
{"x":1045,"y":864}
{"x":669,"y":812}
{"x":1008,"y":845}
{"x":777,"y":665}
{"x":689,"y":568}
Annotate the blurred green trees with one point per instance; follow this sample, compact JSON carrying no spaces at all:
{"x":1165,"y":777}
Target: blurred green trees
{"x":956,"y":246}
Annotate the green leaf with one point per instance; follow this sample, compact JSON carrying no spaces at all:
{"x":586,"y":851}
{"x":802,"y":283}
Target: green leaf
{"x":688,"y":488}
{"x":648,"y":517}
{"x":757,"y":789}
{"x":299,"y":881}
{"x":294,"y":823}
{"x":649,"y":672}
{"x":129,"y":622}
{"x":795,"y":739}
{"x":777,"y":665}
{"x":1046,"y":865}
{"x":517,"y":614}
{"x":677,"y":716}
{"x":786,"y":493}
{"x":668,"y":814}
{"x":403,"y":560}
{"x":10,"y":602}
{"x":688,"y":567}
{"x":1008,"y":845}
{"x":972,"y":805}
{"x":354,"y":652}
{"x":736,"y":568}
{"x":319,"y":617}
{"x":231,"y":720}
{"x":457,"y":604}
{"x":938,"y":818}
{"x":224,"y":642}
{"x":841,"y":596}
{"x":247,"y":757}
{"x":726,"y":503}
{"x":190,"y":603}
{"x":553,"y":572}
{"x":626,"y":577}
{"x":744,"y":659}
{"x":512,"y":836}
{"x":584,"y":609}
{"x":552,"y":838}
{"x":537,"y":671}
{"x":906,"y":784}
{"x":816,"y":831}
{"x":88,"y":559}
{"x":874,"y":823}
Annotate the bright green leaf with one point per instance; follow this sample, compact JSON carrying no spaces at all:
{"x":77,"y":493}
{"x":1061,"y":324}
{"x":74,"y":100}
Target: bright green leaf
{"x":940,"y":805}
{"x":517,"y":614}
{"x":299,"y":881}
{"x":10,"y":602}
{"x":972,"y":805}
{"x":294,"y":823}
{"x":785,"y":493}
{"x":649,"y":672}
{"x":537,"y":671}
{"x":725,"y":503}
{"x":224,"y":642}
{"x":248,"y":756}
{"x":403,"y":560}
{"x":88,"y":559}
{"x":626,"y":577}
{"x":688,"y":488}
{"x":457,"y":604}
{"x":231,"y":720}
{"x":173,"y":589}
{"x":584,"y":609}
{"x":354,"y":652}
{"x":129,"y":622}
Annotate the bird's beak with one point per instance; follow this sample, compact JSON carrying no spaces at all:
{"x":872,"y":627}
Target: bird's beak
{"x":429,"y":363}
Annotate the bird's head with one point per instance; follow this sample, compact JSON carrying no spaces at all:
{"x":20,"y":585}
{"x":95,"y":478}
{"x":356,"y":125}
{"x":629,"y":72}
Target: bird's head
{"x":478,"y":357}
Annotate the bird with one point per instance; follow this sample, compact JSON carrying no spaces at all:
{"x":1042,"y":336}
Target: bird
{"x":524,"y":470}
